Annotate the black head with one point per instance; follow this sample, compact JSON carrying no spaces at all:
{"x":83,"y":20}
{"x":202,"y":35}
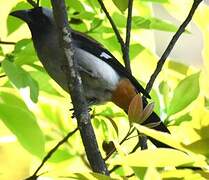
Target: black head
{"x":39,"y":19}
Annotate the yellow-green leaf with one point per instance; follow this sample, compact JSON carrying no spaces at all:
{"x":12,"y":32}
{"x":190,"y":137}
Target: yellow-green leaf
{"x":160,"y":157}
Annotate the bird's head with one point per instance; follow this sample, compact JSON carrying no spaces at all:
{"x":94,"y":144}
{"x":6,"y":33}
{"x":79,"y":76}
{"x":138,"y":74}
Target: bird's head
{"x":39,"y":19}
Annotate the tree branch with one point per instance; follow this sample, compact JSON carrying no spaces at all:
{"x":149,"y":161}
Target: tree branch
{"x":76,"y":90}
{"x":171,"y":45}
{"x":128,"y":36}
{"x":114,"y":27}
{"x":7,"y":43}
{"x":51,"y":152}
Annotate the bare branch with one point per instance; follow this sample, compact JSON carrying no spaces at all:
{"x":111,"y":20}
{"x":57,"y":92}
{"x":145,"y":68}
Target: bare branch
{"x":128,"y":36}
{"x":171,"y":45}
{"x":76,"y":90}
{"x":7,"y":43}
{"x":52,"y":151}
{"x":2,"y":76}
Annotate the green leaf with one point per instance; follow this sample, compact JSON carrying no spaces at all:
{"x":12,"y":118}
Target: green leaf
{"x":21,"y":79}
{"x":135,"y":49}
{"x":11,"y":99}
{"x":155,"y":98}
{"x":95,"y":24}
{"x":156,"y":1}
{"x":23,"y":124}
{"x":160,"y":136}
{"x":165,"y":90}
{"x":13,"y":23}
{"x":140,"y":172}
{"x":24,"y":52}
{"x":199,"y":147}
{"x":105,"y":130}
{"x":119,"y":19}
{"x":44,"y":84}
{"x":1,"y":51}
{"x":186,"y":92}
{"x":178,"y":67}
{"x":160,"y":157}
{"x":122,"y":5}
{"x":60,"y":155}
{"x":84,"y":15}
{"x":184,"y":118}
{"x":76,"y":5}
{"x":153,"y":23}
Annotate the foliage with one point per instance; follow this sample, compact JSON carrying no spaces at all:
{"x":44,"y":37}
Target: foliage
{"x":36,"y":110}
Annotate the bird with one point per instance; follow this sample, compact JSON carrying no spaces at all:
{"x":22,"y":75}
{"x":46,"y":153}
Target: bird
{"x":103,"y":77}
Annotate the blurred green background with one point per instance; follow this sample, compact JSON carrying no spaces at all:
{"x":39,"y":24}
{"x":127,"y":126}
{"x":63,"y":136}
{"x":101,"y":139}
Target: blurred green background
{"x":34,"y":110}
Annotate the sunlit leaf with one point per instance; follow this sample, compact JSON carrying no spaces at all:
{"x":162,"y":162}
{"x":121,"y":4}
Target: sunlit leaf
{"x":160,"y":136}
{"x":135,"y":49}
{"x":200,"y":147}
{"x":156,"y":1}
{"x":21,"y":79}
{"x":183,"y":118}
{"x":13,"y":23}
{"x":140,"y":172}
{"x":186,"y":174}
{"x":23,"y":124}
{"x":24,"y":52}
{"x":155,"y":98}
{"x":119,"y":19}
{"x":165,"y":90}
{"x":160,"y":157}
{"x":44,"y":84}
{"x":179,"y":67}
{"x":153,"y":23}
{"x":186,"y":92}
{"x":95,"y":24}
{"x":11,"y":99}
{"x":60,"y":155}
{"x":75,"y":4}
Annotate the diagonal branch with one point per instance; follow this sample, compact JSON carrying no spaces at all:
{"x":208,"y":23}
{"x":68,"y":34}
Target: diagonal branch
{"x":172,"y":44}
{"x":7,"y":43}
{"x":124,"y":45}
{"x":114,"y":27}
{"x":128,"y":36}
{"x":52,"y":151}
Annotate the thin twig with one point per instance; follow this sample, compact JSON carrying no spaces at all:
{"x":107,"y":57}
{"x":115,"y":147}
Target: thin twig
{"x":128,"y":37}
{"x":130,"y":131}
{"x":7,"y":43}
{"x":32,"y":3}
{"x":4,"y":75}
{"x":114,"y":27}
{"x":53,"y":150}
{"x":37,"y":3}
{"x":172,"y":44}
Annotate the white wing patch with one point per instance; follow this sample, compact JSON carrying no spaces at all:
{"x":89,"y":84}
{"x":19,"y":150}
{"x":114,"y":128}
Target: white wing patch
{"x":105,"y":55}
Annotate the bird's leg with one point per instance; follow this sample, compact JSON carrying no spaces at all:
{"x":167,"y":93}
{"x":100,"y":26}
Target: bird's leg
{"x":89,"y":102}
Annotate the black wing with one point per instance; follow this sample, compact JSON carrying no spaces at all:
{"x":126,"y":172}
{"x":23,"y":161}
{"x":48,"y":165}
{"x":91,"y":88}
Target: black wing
{"x":90,"y":45}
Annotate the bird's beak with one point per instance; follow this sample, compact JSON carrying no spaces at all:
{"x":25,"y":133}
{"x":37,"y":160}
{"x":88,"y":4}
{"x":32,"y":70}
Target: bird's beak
{"x":21,"y":14}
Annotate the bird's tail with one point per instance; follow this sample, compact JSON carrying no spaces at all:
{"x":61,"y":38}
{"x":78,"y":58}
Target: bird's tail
{"x":123,"y":96}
